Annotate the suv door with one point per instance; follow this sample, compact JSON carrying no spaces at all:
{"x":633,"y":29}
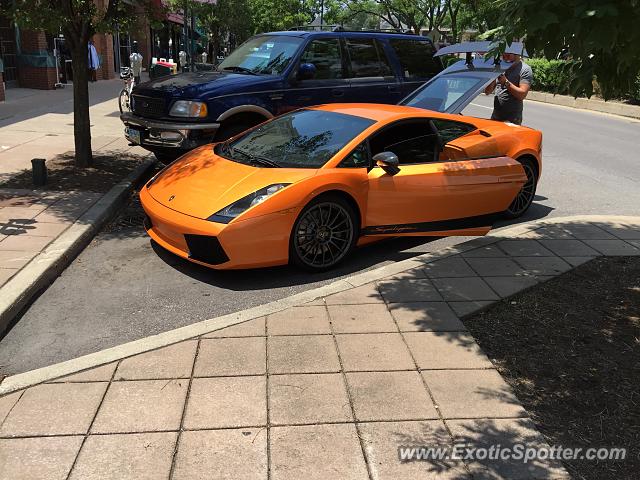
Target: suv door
{"x":329,"y":85}
{"x":372,"y":77}
{"x":417,"y":62}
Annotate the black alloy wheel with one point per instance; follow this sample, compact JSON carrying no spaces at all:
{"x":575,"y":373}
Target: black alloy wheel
{"x":323,"y":235}
{"x":525,"y":196}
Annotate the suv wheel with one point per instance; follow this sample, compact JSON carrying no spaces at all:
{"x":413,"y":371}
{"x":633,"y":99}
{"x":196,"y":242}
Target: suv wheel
{"x":231,"y":130}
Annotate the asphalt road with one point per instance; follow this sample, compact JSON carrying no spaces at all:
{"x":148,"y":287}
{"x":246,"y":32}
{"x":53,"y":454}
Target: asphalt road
{"x":122,"y":287}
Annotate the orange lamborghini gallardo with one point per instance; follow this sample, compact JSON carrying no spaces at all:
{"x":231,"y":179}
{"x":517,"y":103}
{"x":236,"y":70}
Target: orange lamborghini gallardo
{"x":310,"y":185}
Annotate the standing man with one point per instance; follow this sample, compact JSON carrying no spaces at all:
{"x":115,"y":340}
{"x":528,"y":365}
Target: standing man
{"x":94,"y":61}
{"x":511,"y":88}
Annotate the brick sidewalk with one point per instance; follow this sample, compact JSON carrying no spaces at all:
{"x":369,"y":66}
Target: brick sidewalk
{"x":326,"y":390}
{"x":31,"y":220}
{"x":39,"y":124}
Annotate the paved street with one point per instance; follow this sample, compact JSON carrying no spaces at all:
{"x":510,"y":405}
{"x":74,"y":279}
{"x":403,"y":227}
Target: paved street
{"x":330,"y":388}
{"x":123,"y":288}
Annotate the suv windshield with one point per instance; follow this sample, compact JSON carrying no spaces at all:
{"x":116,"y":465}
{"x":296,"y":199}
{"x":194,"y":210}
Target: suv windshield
{"x":262,"y":55}
{"x":302,"y":139}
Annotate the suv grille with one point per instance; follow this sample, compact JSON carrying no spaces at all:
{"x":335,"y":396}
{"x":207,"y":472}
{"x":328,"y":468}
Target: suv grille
{"x":148,"y":106}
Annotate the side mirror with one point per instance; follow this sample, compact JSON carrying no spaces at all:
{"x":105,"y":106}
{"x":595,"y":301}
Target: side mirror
{"x":306,"y":71}
{"x":388,"y":161}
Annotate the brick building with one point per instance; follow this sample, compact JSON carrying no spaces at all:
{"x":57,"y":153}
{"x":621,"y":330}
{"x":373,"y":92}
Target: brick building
{"x":27,"y":57}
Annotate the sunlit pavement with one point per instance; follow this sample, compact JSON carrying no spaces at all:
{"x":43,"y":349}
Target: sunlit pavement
{"x":328,"y":389}
{"x":39,"y":124}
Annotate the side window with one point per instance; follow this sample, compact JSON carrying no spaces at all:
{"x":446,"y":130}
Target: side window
{"x":449,"y":130}
{"x":416,"y":58}
{"x":367,"y":58}
{"x":359,"y":158}
{"x":325,"y":55}
{"x":413,"y":142}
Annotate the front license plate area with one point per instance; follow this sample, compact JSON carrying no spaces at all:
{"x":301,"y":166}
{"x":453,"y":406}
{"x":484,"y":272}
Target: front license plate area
{"x":133,"y":135}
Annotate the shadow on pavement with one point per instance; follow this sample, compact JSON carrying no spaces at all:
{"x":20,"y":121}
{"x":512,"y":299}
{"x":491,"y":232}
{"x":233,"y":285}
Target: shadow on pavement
{"x":387,"y":250}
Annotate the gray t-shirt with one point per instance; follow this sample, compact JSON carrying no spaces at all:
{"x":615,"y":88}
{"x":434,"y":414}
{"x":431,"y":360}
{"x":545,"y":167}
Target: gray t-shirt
{"x":505,"y":106}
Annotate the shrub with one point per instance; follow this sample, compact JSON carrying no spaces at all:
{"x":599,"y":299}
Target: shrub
{"x":549,"y":75}
{"x":635,"y":93}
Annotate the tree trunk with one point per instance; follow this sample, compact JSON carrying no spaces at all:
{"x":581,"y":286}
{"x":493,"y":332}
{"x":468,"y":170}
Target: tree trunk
{"x":81,"y":120}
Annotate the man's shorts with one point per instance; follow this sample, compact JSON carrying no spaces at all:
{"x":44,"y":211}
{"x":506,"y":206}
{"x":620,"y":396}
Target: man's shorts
{"x":514,"y":119}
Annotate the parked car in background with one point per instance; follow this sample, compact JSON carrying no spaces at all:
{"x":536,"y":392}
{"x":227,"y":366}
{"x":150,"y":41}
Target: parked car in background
{"x":271,"y":74}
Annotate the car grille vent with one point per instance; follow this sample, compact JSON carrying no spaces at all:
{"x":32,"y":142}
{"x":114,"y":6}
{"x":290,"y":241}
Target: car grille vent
{"x":148,"y":106}
{"x":205,"y":249}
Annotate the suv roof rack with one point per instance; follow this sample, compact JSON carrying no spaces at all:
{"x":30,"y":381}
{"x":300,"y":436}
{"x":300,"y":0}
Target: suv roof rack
{"x":342,"y":28}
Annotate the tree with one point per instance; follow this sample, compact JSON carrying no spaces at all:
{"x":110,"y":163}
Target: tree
{"x":224,"y":20}
{"x":482,"y":15}
{"x":405,"y":14}
{"x":602,"y":38}
{"x":78,"y":21}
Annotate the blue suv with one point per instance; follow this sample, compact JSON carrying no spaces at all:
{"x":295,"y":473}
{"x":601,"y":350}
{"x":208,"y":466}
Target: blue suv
{"x":271,"y":74}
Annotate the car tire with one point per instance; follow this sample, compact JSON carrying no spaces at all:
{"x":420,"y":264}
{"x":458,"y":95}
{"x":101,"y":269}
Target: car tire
{"x":525,"y":196}
{"x":324,"y":233}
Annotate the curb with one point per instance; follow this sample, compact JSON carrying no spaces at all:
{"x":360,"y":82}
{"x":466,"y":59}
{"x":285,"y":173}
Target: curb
{"x":48,"y":264}
{"x":612,"y":108}
{"x":40,"y":375}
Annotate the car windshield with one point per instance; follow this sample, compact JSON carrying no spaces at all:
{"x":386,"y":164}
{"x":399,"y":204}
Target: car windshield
{"x":262,"y":55}
{"x":444,"y":91}
{"x":301,"y":139}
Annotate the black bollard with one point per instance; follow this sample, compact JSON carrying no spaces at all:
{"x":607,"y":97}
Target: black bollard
{"x":39,"y":172}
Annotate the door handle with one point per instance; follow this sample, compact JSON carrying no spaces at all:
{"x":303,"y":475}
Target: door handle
{"x":394,"y":89}
{"x":337,"y":92}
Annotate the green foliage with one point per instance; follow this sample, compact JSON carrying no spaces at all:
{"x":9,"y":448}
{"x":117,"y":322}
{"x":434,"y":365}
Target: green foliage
{"x":635,"y":92}
{"x":602,"y":37}
{"x":550,"y":75}
{"x":481,"y":15}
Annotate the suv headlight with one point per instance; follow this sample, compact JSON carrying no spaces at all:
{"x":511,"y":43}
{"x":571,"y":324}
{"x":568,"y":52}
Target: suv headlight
{"x":188,"y":109}
{"x":230,"y":212}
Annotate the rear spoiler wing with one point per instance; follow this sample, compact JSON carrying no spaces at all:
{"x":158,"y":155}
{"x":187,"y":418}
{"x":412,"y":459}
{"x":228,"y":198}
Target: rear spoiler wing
{"x":517,"y":48}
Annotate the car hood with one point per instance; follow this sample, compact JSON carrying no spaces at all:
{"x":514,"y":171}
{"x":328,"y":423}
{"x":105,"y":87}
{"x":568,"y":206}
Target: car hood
{"x":201,"y":183}
{"x":193,"y":84}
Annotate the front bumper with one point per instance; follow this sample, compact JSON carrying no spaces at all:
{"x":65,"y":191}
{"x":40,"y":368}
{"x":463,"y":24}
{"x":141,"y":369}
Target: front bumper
{"x":256,"y":242}
{"x":159,"y":133}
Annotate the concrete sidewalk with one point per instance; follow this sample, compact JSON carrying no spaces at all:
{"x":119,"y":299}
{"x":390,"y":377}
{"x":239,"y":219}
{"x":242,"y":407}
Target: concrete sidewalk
{"x":327,"y":389}
{"x":39,"y":124}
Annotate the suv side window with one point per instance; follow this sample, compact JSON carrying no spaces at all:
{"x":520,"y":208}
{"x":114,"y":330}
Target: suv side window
{"x":325,"y":54}
{"x":416,"y":58}
{"x":449,"y":130}
{"x":367,"y":58}
{"x":413,"y":141}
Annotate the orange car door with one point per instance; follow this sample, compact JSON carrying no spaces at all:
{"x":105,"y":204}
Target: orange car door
{"x":442,"y":192}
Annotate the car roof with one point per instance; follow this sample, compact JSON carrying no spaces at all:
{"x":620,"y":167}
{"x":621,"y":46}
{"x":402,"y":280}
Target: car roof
{"x":379,"y":112}
{"x":342,"y":33}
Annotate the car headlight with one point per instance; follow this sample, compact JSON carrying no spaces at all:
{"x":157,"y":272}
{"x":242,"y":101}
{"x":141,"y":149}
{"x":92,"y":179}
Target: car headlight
{"x":189,"y":109}
{"x":230,"y":212}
